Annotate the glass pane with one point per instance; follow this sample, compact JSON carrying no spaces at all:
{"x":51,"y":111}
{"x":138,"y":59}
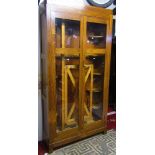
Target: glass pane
{"x":94,"y":80}
{"x":58,"y":24}
{"x":70,"y":31}
{"x":96,"y":35}
{"x":67,"y":92}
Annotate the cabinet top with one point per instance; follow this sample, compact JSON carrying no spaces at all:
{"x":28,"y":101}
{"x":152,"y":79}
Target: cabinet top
{"x":72,"y":6}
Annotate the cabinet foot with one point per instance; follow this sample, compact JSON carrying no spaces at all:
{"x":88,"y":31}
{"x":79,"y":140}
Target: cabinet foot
{"x":105,"y":131}
{"x":50,"y":149}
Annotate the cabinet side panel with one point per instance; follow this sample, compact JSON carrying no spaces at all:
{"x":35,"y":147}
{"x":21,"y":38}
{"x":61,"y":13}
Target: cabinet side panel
{"x":44,"y":53}
{"x":44,"y":86}
{"x":107,"y":68}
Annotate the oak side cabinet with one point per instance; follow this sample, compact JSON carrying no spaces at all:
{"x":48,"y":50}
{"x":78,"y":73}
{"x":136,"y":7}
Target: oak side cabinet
{"x":75,"y":71}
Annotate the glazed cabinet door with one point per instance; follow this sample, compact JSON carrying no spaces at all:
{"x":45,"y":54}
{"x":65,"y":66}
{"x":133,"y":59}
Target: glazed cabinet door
{"x":67,"y":47}
{"x":96,"y":58}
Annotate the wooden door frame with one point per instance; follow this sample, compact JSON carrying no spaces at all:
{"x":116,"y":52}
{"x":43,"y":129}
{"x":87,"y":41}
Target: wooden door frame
{"x":52,"y":66}
{"x":105,"y":52}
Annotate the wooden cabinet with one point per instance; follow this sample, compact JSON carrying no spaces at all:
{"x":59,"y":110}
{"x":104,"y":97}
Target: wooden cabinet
{"x":75,"y":58}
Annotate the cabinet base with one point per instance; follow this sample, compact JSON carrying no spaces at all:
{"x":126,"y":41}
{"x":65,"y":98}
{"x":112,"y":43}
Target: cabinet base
{"x":57,"y":144}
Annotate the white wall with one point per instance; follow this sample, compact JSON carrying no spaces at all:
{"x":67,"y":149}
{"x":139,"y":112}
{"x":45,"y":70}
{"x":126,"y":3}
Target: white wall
{"x":39,"y":93}
{"x":39,"y":117}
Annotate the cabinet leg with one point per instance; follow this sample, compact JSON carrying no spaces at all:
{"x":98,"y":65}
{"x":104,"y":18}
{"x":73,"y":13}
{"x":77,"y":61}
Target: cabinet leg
{"x":50,"y":148}
{"x":105,"y":131}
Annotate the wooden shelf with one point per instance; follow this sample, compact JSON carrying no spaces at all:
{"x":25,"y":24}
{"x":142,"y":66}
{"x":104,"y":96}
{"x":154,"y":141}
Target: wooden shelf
{"x":95,"y":90}
{"x":97,"y":73}
{"x":96,"y":107}
{"x":95,"y":36}
{"x":95,"y":51}
{"x":72,"y":66}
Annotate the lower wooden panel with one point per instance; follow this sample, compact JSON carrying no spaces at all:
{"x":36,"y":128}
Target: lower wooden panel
{"x":74,"y":137}
{"x":66,"y":134}
{"x":93,"y":126}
